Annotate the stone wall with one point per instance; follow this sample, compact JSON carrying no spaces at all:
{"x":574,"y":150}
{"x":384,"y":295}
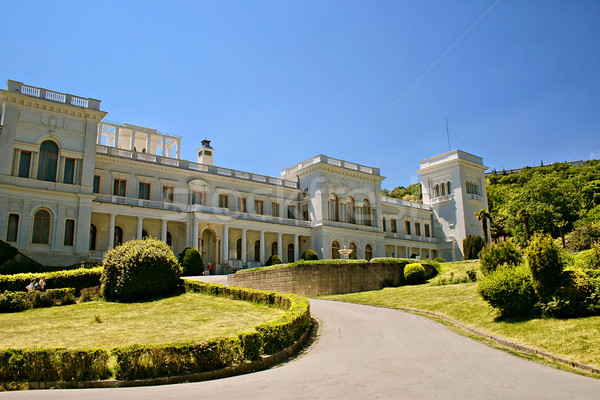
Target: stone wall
{"x":317,"y":280}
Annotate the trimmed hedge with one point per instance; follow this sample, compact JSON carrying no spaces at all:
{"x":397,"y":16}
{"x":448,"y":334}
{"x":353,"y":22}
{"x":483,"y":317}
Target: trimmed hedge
{"x":309,"y":255}
{"x":273,"y":260}
{"x":414,"y":274}
{"x":191,"y":262}
{"x":18,"y":301}
{"x":76,"y":278}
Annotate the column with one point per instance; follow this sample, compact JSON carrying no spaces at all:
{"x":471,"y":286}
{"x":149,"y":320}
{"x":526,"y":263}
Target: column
{"x":195,"y":238}
{"x":163,"y":146}
{"x":111,"y":232}
{"x":406,"y":250}
{"x":116,"y":137}
{"x":132,"y":140}
{"x":148,"y":142}
{"x":140,"y":227}
{"x":279,"y":244}
{"x":262,"y":247}
{"x":99,"y":137}
{"x":24,"y":231}
{"x":163,"y":233}
{"x":178,"y":156}
{"x":225,"y":245}
{"x":296,"y":247}
{"x":58,"y":225}
{"x":244,"y":247}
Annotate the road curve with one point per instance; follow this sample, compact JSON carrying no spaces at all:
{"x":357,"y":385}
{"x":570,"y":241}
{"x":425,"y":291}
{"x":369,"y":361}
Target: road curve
{"x":373,"y":353}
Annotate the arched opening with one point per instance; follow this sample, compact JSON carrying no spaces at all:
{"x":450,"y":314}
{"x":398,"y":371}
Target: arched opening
{"x":443,"y":189}
{"x":41,"y":227}
{"x":351,"y":210}
{"x":448,"y":187}
{"x":118,"y":236}
{"x":238,"y":249}
{"x":274,"y":248}
{"x":334,"y":207}
{"x":290,"y":253}
{"x":335,"y":250}
{"x":93,"y":235}
{"x":144,"y":233}
{"x":208,"y":244}
{"x":368,"y":252}
{"x":48,"y":161}
{"x":437,"y":190}
{"x":257,"y":250}
{"x":169,"y":239}
{"x":353,"y":255}
{"x":367,"y":211}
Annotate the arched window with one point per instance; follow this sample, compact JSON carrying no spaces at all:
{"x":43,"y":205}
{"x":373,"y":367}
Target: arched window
{"x":238,"y":249}
{"x":41,"y":227}
{"x":118,"y":236}
{"x":368,"y":252}
{"x":367,"y":212}
{"x":93,"y":234}
{"x":437,"y":190}
{"x":334,"y":207}
{"x":274,"y":249}
{"x":351,"y":210}
{"x":443,"y":189}
{"x":48,"y":161}
{"x":290,"y":250}
{"x":257,"y":250}
{"x":169,"y":239}
{"x":144,"y":233}
{"x":335,"y":249}
{"x":448,"y":187}
{"x":353,"y":248}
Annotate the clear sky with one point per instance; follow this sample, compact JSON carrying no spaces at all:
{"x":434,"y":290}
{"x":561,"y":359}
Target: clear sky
{"x":272,"y":83}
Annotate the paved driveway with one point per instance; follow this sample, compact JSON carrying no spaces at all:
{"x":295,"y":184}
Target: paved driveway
{"x":374,"y":353}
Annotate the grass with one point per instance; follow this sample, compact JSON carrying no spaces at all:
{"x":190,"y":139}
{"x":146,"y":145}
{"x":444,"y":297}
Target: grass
{"x":574,"y":339}
{"x":107,"y":325}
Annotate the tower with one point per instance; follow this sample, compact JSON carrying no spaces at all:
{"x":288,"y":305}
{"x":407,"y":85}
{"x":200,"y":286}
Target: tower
{"x":205,"y":153}
{"x":453,"y":184}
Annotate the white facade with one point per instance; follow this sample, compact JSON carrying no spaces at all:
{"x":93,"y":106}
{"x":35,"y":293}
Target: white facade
{"x":73,"y":185}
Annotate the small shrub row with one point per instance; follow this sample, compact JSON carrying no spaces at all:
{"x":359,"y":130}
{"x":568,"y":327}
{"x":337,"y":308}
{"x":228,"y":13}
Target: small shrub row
{"x":19,"y":301}
{"x":470,"y":276}
{"x":77,"y":278}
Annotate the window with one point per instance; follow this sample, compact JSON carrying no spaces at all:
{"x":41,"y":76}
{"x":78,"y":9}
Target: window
{"x":168,"y":194}
{"x":407,"y":227}
{"x":335,"y":250}
{"x":351,"y":210}
{"x":169,"y":239}
{"x":394,"y":226}
{"x":367,"y":212}
{"x":290,"y":251}
{"x":197,"y":197}
{"x":448,"y":187}
{"x":48,"y":161}
{"x":238,"y":249}
{"x":13,"y":228}
{"x":223,"y":201}
{"x":144,"y":191}
{"x":257,"y":250}
{"x":443,"y":189}
{"x":291,"y":211}
{"x":242,"y":204}
{"x":24,"y":164}
{"x":334,"y":207}
{"x":69,"y":175}
{"x":305,"y":212}
{"x":384,"y":227}
{"x":96,"y":183}
{"x":353,"y":255}
{"x":275,"y":209}
{"x":118,"y":238}
{"x":120,"y":187}
{"x":427,"y":233}
{"x":93,"y":234}
{"x":274,"y":248}
{"x":260,"y":207}
{"x":472,"y":188}
{"x":437,"y":190}
{"x":144,"y":234}
{"x":41,"y":227}
{"x":69,"y":232}
{"x":368,"y":252}
{"x":417,"y":229}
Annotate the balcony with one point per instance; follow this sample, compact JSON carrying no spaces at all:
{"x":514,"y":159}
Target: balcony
{"x":442,"y":199}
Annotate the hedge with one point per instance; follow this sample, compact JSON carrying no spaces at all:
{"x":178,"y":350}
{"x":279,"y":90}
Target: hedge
{"x":18,"y":301}
{"x":76,"y":278}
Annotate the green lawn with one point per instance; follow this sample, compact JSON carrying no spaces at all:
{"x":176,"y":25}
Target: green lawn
{"x":575,"y":339}
{"x":178,"y":318}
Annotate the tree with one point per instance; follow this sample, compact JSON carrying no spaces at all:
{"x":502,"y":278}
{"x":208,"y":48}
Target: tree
{"x":483,"y":215}
{"x":523,"y":215}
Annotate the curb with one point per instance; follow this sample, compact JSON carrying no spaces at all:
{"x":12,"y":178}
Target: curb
{"x":505,"y":342}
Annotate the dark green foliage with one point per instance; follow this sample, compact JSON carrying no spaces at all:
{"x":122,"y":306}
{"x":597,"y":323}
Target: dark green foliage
{"x":494,"y":255}
{"x":76,"y":278}
{"x":472,"y":275}
{"x":7,"y":252}
{"x":545,"y":262}
{"x":575,"y":297}
{"x":18,"y":301}
{"x":90,"y":294}
{"x":13,"y":301}
{"x":411,"y":193}
{"x":53,"y":365}
{"x":588,"y":260}
{"x":139,"y":270}
{"x":509,"y":290}
{"x":414,"y":274}
{"x":583,"y":238}
{"x":273,"y":260}
{"x":472,"y":245}
{"x":309,"y":255}
{"x":439,"y":259}
{"x":191,"y":262}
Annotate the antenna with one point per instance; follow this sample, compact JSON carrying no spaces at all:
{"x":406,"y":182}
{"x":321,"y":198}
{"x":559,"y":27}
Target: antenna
{"x":447,"y":134}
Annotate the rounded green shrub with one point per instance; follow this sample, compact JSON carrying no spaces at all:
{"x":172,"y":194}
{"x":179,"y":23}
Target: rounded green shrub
{"x":575,"y":297}
{"x":546,"y":264}
{"x":509,"y":290}
{"x":472,"y":245}
{"x":138,"y":270}
{"x":495,"y":255}
{"x":439,"y":259}
{"x":273,"y":260}
{"x":414,"y":273}
{"x":191,"y":262}
{"x":309,"y":255}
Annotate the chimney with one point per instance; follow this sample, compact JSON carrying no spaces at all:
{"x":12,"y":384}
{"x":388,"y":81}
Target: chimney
{"x":205,"y":153}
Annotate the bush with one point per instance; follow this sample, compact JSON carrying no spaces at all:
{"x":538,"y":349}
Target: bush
{"x":509,"y":290}
{"x":414,"y":274}
{"x":588,"y":259}
{"x":309,"y":255}
{"x":583,"y":238}
{"x":495,"y":255}
{"x":90,"y":294}
{"x":18,"y":301}
{"x":7,"y":252}
{"x":77,"y":278}
{"x":191,"y":262}
{"x":273,"y":260}
{"x":546,"y":264}
{"x":472,"y":245}
{"x":139,"y":270}
{"x":439,"y":259}
{"x":575,"y":297}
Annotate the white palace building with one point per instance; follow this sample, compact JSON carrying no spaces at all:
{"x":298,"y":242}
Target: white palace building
{"x":73,"y":185}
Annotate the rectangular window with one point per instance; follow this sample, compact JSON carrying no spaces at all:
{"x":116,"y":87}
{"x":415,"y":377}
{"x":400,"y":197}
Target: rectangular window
{"x":407,"y":227}
{"x":13,"y":227}
{"x":144,"y":191}
{"x":291,"y":212}
{"x":223,"y":201}
{"x":168,"y":194}
{"x":69,"y":176}
{"x":275,"y":209}
{"x":417,"y":229}
{"x":305,"y":212}
{"x":96,"y":183}
{"x":427,"y":233}
{"x":24,"y":164}
{"x":120,"y":187}
{"x":197,"y":197}
{"x":69,"y":232}
{"x":394,"y":227}
{"x":384,"y":227}
{"x":242,"y":204}
{"x":260,"y":207}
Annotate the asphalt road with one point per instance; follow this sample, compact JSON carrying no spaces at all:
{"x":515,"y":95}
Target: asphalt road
{"x":373,"y":353}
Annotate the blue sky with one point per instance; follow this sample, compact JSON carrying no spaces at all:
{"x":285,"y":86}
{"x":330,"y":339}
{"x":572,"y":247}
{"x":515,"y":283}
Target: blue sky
{"x":272,"y":83}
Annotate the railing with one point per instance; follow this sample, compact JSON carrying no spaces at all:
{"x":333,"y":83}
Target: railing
{"x":413,"y":238}
{"x":475,"y":197}
{"x":400,"y":202}
{"x":45,"y":94}
{"x":442,"y":199}
{"x":331,"y":161}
